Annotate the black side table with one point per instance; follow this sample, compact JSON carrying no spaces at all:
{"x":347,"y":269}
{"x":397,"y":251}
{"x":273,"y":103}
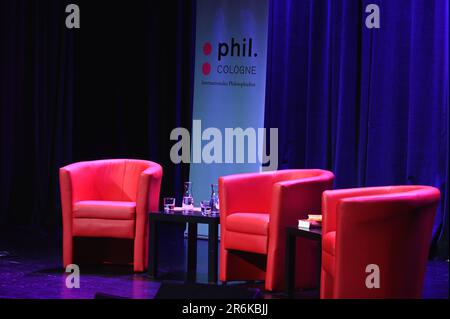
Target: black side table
{"x":192,"y":219}
{"x":291,"y":235}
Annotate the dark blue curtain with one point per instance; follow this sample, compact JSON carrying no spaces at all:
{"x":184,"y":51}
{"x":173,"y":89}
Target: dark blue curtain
{"x":114,"y":88}
{"x":369,"y":104}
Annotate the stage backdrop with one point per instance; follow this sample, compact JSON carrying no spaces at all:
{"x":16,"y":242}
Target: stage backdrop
{"x":230,"y":79}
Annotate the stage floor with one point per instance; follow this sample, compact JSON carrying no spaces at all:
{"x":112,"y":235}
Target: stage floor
{"x":33,"y":271}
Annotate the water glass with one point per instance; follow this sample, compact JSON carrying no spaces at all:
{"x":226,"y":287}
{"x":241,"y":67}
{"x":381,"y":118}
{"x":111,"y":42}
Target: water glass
{"x":188,"y":204}
{"x":169,"y":204}
{"x":205,"y":207}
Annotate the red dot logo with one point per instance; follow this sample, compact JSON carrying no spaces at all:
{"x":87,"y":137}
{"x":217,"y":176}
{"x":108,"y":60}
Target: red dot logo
{"x":207,"y":48}
{"x":206,"y":68}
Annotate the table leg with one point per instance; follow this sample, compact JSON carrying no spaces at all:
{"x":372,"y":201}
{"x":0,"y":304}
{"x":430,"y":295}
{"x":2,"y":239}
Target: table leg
{"x":290,"y":264}
{"x":319,"y":263}
{"x":213,"y":247}
{"x":152,"y":250}
{"x":192,"y":253}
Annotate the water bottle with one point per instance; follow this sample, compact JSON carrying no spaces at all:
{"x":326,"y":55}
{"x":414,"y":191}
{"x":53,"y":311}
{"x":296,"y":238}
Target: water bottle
{"x":188,"y":200}
{"x":214,"y":201}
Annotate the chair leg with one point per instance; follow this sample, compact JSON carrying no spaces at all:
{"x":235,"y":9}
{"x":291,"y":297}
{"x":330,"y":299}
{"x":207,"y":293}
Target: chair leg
{"x":138,"y":259}
{"x":67,"y":250}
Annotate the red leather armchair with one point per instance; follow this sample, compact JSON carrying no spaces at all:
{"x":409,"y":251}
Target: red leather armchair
{"x":254,"y":211}
{"x":386,"y":226}
{"x":109,"y":199}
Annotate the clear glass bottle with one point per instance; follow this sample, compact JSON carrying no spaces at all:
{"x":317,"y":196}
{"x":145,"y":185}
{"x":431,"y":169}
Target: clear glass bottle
{"x":214,"y":201}
{"x":188,"y":200}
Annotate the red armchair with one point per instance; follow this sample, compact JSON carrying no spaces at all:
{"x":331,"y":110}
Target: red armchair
{"x":386,"y":226}
{"x":109,"y":199}
{"x":254,"y":211}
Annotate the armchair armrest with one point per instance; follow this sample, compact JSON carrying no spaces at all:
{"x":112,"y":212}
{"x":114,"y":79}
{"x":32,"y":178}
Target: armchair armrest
{"x":147,"y":198}
{"x":66,"y":192}
{"x":77,"y":179}
{"x":295,"y":199}
{"x":291,"y":200}
{"x":75,"y":184}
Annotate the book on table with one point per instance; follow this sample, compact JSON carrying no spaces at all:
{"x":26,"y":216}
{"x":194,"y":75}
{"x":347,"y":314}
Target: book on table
{"x":313,"y":221}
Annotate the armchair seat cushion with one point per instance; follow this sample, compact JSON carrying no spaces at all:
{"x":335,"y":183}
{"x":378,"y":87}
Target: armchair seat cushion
{"x":105,"y":210}
{"x":248,"y":223}
{"x":103,"y":228}
{"x":251,"y":243}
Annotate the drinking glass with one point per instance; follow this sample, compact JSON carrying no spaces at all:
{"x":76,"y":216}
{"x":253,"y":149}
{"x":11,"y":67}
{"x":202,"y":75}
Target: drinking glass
{"x":205,"y":207}
{"x":169,"y":204}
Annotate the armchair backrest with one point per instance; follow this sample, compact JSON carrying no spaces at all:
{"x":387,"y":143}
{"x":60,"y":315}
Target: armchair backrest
{"x":245,"y":193}
{"x":254,"y":192}
{"x":115,"y":180}
{"x":331,"y":198}
{"x":291,"y":174}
